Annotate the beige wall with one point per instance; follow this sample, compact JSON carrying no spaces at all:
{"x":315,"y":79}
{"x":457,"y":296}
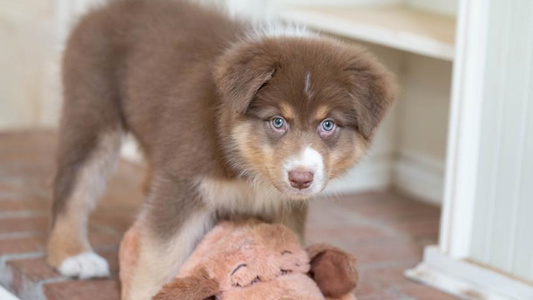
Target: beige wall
{"x":423,"y":116}
{"x":26,"y":47}
{"x":447,"y":7}
{"x":422,"y":127}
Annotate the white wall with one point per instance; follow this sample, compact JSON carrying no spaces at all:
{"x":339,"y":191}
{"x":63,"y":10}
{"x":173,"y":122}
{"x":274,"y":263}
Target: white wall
{"x":26,"y":35}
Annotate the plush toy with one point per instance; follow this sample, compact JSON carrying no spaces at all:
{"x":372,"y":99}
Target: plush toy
{"x":252,"y":260}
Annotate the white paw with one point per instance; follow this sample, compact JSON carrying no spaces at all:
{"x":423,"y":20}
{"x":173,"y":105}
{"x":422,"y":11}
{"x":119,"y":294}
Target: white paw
{"x":85,"y":265}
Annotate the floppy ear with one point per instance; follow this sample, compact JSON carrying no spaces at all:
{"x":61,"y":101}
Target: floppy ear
{"x":196,"y":287}
{"x":240,"y":73}
{"x":333,"y":270}
{"x":373,"y":89}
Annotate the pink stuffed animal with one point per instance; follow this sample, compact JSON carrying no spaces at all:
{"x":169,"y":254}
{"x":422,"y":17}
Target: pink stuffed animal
{"x":252,"y":260}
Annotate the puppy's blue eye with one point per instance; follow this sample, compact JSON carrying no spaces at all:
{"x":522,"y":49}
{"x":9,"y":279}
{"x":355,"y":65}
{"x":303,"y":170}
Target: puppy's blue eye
{"x":328,"y":125}
{"x":278,"y":122}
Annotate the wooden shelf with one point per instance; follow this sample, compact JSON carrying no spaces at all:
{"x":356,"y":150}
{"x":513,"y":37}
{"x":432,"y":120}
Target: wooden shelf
{"x":399,"y":27}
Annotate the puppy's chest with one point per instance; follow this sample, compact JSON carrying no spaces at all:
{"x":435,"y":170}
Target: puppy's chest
{"x":242,"y":198}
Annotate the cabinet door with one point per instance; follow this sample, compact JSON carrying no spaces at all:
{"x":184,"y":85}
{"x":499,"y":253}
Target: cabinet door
{"x":501,"y":232}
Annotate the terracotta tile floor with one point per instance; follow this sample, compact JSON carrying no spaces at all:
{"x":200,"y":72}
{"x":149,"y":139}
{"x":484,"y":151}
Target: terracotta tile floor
{"x":385,"y":231}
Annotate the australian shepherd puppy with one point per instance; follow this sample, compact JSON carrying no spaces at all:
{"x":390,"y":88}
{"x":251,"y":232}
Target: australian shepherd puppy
{"x":234,"y":119}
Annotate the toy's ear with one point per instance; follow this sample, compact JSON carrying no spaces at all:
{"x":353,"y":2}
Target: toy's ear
{"x":196,"y":287}
{"x":333,"y":270}
{"x":240,"y":73}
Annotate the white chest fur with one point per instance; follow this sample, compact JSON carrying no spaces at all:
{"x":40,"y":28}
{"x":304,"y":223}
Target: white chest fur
{"x":242,"y":197}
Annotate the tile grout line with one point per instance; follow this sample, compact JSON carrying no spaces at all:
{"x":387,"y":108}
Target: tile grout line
{"x":22,"y":214}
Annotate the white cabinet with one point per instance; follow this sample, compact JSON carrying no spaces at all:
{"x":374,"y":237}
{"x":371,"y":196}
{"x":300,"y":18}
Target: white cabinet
{"x":486,"y":244}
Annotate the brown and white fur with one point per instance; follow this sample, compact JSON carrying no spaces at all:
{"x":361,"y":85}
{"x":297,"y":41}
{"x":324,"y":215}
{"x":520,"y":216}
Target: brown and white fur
{"x":202,"y":94}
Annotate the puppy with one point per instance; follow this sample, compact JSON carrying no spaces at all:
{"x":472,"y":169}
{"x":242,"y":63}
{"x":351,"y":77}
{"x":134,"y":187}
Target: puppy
{"x":234,"y":119}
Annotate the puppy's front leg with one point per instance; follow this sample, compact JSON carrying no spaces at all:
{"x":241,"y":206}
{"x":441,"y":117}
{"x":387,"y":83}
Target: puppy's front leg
{"x":173,"y":220}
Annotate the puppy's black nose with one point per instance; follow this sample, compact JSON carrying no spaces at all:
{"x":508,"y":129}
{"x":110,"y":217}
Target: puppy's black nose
{"x":300,"y":179}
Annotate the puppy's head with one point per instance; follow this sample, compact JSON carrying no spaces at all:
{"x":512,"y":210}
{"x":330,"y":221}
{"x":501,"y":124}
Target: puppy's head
{"x":299,"y":111}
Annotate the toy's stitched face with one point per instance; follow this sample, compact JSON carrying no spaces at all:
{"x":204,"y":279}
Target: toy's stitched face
{"x":290,"y":287}
{"x":283,"y":248}
{"x":261,"y":254}
{"x":244,"y":275}
{"x":232,"y":258}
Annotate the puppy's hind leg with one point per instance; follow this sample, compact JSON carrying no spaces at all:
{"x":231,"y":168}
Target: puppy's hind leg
{"x":77,"y":189}
{"x":89,"y":143}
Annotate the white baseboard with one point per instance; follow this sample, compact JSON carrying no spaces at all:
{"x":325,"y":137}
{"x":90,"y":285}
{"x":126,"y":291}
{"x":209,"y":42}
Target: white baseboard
{"x":465,"y":279}
{"x":419,"y":176}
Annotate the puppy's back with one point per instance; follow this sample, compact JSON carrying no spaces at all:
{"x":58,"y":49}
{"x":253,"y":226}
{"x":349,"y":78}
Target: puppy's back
{"x":127,"y":24}
{"x":155,"y":57}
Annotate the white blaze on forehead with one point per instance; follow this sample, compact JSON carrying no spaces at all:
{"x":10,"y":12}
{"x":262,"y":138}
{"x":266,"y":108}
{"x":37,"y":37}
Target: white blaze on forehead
{"x":309,"y":160}
{"x":307,"y":89}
